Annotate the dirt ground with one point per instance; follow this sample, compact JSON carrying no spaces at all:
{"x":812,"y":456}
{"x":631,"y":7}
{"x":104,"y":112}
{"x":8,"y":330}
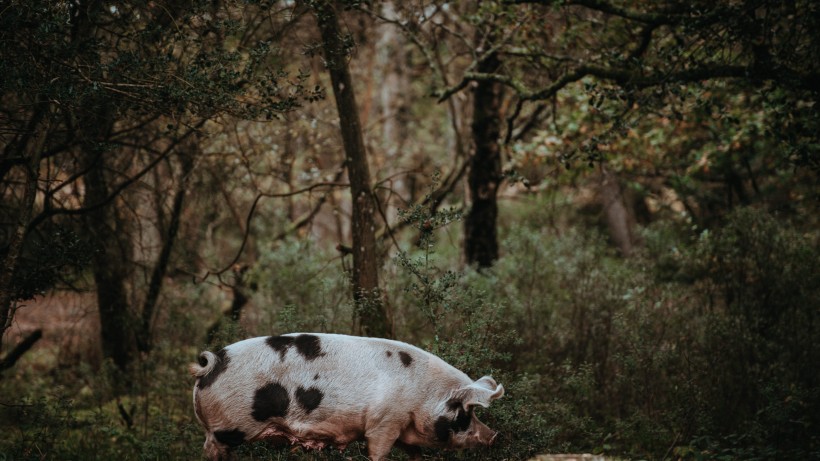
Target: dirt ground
{"x":70,"y":325}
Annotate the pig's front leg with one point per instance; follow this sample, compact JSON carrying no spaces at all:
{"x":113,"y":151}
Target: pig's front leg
{"x":380,"y":441}
{"x":413,"y":452}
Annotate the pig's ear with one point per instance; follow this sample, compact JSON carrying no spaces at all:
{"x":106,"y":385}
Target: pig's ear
{"x":481,"y":392}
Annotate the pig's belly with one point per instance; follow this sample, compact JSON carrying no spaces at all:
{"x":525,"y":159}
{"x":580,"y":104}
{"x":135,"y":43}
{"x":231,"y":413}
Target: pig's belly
{"x":314,"y":436}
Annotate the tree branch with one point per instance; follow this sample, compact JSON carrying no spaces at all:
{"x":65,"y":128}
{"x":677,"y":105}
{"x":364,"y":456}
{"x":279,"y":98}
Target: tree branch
{"x":50,"y":212}
{"x":633,"y":15}
{"x":14,"y":355}
{"x":307,"y":217}
{"x":433,"y":200}
{"x":144,"y":340}
{"x":666,"y":17}
{"x":626,"y":77}
{"x":249,"y":217}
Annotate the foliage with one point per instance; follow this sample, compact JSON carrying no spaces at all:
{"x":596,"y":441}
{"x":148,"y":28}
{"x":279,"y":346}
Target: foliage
{"x":55,"y":428}
{"x":700,"y":345}
{"x":769,"y":296}
{"x":629,"y":363}
{"x":597,"y":353}
{"x":141,"y":64}
{"x":55,"y":258}
{"x":112,"y":92}
{"x":298,"y":294}
{"x":431,"y":287}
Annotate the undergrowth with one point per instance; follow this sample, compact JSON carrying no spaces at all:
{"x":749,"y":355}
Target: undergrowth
{"x":701,"y":346}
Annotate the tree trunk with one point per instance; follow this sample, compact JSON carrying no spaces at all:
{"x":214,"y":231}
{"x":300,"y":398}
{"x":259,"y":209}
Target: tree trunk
{"x":234,"y":313}
{"x":30,"y":148}
{"x":371,"y":318}
{"x":619,"y":220}
{"x":117,"y":323}
{"x":118,"y":326}
{"x":161,"y":267}
{"x":21,"y":348}
{"x":394,"y":85}
{"x":391,"y":60}
{"x":480,"y":238}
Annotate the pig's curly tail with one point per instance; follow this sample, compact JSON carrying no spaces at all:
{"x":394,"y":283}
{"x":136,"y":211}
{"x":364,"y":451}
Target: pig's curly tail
{"x":207,"y":362}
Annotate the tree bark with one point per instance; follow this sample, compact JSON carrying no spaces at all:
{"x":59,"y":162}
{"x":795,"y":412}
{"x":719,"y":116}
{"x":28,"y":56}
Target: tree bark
{"x":161,"y":267}
{"x":117,"y":323}
{"x":234,"y":313}
{"x":619,"y":220}
{"x":371,"y":317}
{"x":480,"y":238}
{"x":30,"y":148}
{"x":21,"y":348}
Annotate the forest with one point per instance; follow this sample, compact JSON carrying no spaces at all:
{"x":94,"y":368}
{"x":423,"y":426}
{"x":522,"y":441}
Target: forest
{"x":609,"y":206}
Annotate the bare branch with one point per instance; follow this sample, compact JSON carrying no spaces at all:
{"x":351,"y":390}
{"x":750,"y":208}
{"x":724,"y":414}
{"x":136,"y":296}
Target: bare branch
{"x":259,"y":196}
{"x":608,"y":8}
{"x":50,"y":212}
{"x":21,"y":348}
{"x":627,"y":77}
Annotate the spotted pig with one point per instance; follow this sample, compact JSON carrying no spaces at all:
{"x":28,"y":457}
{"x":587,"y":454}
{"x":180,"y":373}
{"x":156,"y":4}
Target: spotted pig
{"x":318,"y":390}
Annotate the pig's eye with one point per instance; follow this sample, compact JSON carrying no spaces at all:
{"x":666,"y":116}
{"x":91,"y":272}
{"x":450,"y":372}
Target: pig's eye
{"x":462,"y":421}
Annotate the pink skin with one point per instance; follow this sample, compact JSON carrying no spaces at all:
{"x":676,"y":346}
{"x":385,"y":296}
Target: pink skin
{"x":319,"y":390}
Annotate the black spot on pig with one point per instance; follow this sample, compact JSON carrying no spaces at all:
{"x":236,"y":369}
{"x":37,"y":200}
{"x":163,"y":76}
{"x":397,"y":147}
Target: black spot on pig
{"x":309,"y":346}
{"x":221,"y":364}
{"x":406,"y":360}
{"x":316,"y":376}
{"x":280,"y":344}
{"x":442,"y":428}
{"x":389,"y":354}
{"x":309,"y":399}
{"x":230,"y":438}
{"x":270,"y":401}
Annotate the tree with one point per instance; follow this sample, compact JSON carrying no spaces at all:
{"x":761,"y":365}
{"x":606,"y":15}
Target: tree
{"x":96,"y":97}
{"x":371,"y":313}
{"x":485,"y":176}
{"x":632,"y":66}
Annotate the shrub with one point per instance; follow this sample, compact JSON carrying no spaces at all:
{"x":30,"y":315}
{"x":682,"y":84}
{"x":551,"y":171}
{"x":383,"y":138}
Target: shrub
{"x":299,"y":287}
{"x":761,"y":283}
{"x":701,"y":346}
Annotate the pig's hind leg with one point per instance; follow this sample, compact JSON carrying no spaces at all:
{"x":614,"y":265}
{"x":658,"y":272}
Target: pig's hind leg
{"x":219,"y":444}
{"x":215,"y":451}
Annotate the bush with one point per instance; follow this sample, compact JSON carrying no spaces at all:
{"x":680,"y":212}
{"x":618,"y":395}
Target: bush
{"x":58,"y":428}
{"x":761,"y":283}
{"x":707,"y":335}
{"x":701,"y":346}
{"x":299,"y":287}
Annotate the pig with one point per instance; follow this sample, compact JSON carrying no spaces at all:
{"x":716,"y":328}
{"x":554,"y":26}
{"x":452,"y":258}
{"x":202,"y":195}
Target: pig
{"x":317,"y":390}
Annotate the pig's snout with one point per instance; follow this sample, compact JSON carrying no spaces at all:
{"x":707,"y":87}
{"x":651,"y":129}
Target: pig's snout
{"x":492,"y":439}
{"x":488,"y":440}
{"x":483,"y":436}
